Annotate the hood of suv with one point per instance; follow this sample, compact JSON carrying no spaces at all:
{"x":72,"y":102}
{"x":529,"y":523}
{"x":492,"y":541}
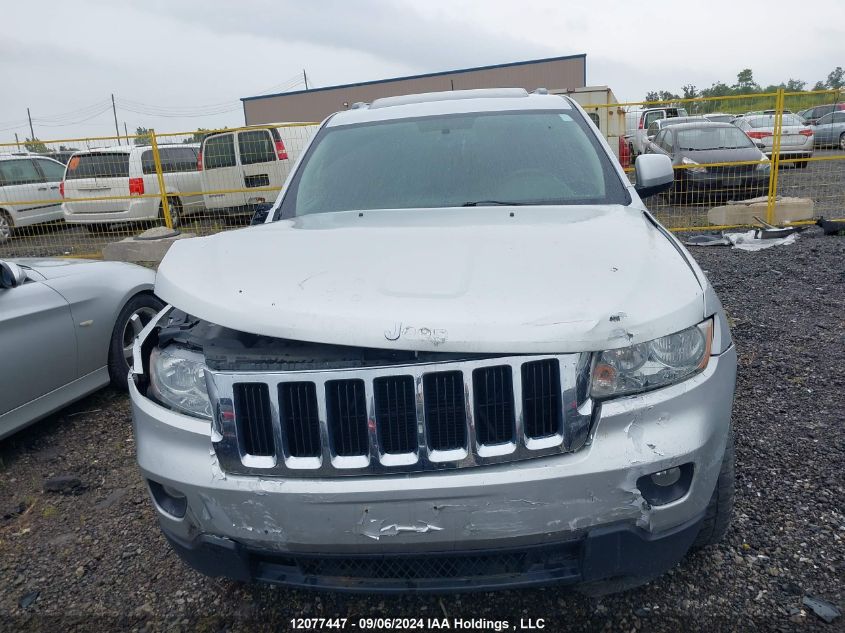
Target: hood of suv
{"x":484,"y":280}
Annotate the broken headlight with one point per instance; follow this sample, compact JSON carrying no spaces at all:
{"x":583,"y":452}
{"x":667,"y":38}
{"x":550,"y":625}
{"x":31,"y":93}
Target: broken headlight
{"x":177,"y":379}
{"x":657,"y":363}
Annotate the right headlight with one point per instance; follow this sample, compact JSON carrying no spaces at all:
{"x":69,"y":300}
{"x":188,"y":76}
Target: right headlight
{"x":177,"y":379}
{"x":656,"y":363}
{"x":693,"y":166}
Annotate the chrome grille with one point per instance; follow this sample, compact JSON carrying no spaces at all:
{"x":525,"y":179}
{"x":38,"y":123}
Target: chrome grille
{"x":400,"y":418}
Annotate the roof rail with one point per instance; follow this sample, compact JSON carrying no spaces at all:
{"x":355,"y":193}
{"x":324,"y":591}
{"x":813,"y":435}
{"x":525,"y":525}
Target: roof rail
{"x":450,"y":95}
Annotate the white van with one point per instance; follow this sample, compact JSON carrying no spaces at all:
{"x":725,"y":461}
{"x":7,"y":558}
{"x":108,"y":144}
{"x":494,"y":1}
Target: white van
{"x":257,"y":157}
{"x":33,"y":180}
{"x":637,"y":122}
{"x":128,"y":174}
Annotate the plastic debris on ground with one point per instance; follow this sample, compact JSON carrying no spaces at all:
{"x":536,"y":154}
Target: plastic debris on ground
{"x":752,"y":240}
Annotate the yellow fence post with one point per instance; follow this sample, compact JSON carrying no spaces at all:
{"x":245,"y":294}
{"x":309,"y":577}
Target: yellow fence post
{"x":165,"y":205}
{"x":775,"y":165}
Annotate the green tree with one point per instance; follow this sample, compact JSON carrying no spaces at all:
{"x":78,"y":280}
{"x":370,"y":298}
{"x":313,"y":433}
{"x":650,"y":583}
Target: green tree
{"x":197,"y":136}
{"x":718,"y":89}
{"x":34,"y":145}
{"x":143,"y":136}
{"x":652,"y":95}
{"x":795,"y":85}
{"x":820,"y":85}
{"x":836,"y":78}
{"x":690,"y":92}
{"x":745,"y":81}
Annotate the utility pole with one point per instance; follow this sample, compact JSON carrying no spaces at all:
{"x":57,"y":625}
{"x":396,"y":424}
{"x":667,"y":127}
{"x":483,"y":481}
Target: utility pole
{"x":17,"y":141}
{"x":116,"y":128}
{"x":31,"y":131}
{"x":305,"y":78}
{"x":126,"y":132}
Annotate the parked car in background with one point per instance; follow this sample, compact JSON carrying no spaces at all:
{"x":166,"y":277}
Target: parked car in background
{"x":66,"y":330}
{"x":129,"y":175}
{"x":376,"y":389}
{"x":638,"y":121}
{"x":251,"y":158}
{"x":661,"y":124}
{"x":35,"y":181}
{"x":63,"y":156}
{"x":720,"y":117}
{"x":829,"y":130}
{"x":796,"y":141}
{"x":692,"y":146}
{"x":811,"y":115}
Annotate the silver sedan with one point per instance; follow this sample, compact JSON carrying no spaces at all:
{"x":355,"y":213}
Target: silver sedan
{"x":66,"y":330}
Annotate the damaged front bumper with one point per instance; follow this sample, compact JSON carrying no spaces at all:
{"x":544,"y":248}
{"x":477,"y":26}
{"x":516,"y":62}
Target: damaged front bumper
{"x":573,"y":517}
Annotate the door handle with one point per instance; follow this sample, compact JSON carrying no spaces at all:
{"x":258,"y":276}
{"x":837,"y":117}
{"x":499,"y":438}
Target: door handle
{"x":54,"y":187}
{"x":42,"y":188}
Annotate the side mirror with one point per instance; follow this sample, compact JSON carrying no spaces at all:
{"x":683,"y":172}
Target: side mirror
{"x":260,"y":214}
{"x":653,"y":173}
{"x":760,"y":145}
{"x":11,"y":275}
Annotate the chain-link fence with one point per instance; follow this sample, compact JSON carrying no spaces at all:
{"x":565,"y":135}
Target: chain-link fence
{"x":777,"y":156}
{"x":72,"y":196}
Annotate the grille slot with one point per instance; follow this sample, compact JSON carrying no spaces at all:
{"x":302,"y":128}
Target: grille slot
{"x":346,"y":407}
{"x":396,"y":414}
{"x":445,"y":410}
{"x":541,"y":406}
{"x":494,"y":417}
{"x":254,"y":418}
{"x":300,"y":418}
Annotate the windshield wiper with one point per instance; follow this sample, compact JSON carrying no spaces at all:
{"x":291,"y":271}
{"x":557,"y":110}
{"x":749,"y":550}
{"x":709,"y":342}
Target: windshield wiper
{"x":497,"y":203}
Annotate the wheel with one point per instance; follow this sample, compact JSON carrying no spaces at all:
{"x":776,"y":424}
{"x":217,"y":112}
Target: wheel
{"x":137,"y":312}
{"x":5,"y":227}
{"x":842,"y":141}
{"x":175,"y":206}
{"x":717,"y":517}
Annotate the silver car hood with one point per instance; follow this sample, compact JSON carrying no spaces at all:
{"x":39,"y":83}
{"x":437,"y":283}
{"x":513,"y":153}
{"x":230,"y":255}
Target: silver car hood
{"x":486,"y":279}
{"x":55,"y":267}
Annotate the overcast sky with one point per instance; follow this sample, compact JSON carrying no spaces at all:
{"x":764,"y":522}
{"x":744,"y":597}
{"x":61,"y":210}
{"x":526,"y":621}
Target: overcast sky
{"x":166,"y":59}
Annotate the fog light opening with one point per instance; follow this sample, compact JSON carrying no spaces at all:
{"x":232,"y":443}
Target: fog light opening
{"x":666,"y":478}
{"x":168,"y":499}
{"x":667,"y":485}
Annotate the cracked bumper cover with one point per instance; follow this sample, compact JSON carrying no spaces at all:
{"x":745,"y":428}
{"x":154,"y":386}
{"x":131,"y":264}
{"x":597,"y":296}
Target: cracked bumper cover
{"x":586,"y":502}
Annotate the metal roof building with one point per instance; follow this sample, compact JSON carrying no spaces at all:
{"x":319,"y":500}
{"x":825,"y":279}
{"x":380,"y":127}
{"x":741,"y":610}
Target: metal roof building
{"x":555,"y":73}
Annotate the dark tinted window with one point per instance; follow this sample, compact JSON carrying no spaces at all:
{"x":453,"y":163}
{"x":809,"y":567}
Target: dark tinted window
{"x":708,"y":138}
{"x":449,"y":161}
{"x":219,"y":151}
{"x":53,"y":172}
{"x":104,"y":165}
{"x":256,"y":147}
{"x":173,"y":159}
{"x":18,"y":172}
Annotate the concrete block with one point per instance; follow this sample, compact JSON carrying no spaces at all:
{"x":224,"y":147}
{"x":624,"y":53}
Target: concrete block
{"x":743,"y":212}
{"x":150,"y":246}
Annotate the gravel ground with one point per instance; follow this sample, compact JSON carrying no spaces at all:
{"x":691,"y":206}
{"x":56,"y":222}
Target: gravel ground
{"x":93,"y":558}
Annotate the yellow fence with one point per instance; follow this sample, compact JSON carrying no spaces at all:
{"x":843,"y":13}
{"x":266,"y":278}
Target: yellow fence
{"x":798,"y":170}
{"x":73,"y":196}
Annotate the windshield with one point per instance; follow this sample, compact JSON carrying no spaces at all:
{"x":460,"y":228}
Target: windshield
{"x":704,"y":138}
{"x":452,"y":161}
{"x":769,"y":121}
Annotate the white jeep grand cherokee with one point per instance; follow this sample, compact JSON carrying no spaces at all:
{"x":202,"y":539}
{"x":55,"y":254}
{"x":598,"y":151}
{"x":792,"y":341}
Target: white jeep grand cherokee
{"x":460,"y":354}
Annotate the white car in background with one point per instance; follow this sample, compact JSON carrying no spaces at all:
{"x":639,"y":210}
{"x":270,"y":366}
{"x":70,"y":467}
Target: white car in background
{"x":796,"y":141}
{"x":126,"y":178}
{"x":251,"y":158}
{"x":33,"y":180}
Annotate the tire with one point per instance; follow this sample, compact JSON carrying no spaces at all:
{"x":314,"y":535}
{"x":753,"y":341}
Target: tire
{"x":6,"y":227}
{"x":842,"y":141}
{"x":144,"y":306}
{"x":175,"y":206}
{"x":717,"y":517}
